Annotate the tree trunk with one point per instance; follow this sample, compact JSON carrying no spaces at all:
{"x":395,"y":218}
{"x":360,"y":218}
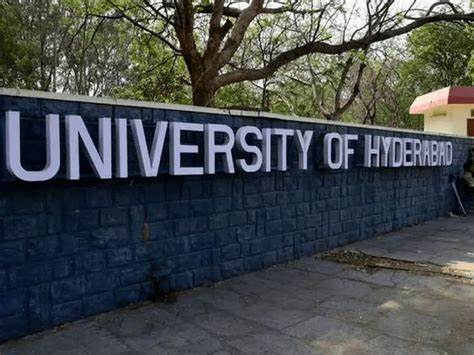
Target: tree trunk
{"x":204,"y":90}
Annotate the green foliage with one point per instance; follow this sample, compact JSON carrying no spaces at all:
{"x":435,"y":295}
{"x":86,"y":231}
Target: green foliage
{"x":154,"y":73}
{"x":19,"y":50}
{"x":440,"y":55}
{"x":61,"y":46}
{"x":240,"y":95}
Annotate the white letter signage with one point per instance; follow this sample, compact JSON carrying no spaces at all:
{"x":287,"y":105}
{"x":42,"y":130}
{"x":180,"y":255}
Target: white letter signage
{"x":248,"y":149}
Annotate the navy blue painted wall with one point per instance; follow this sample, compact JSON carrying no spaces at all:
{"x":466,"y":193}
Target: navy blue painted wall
{"x":74,"y":249}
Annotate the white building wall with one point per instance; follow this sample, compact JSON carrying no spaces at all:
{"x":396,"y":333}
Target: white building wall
{"x":454,"y":121}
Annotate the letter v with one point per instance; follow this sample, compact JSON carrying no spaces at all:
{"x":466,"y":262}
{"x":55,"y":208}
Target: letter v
{"x":149,"y":162}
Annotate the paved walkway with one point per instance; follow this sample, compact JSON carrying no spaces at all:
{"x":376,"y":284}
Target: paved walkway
{"x":310,"y":306}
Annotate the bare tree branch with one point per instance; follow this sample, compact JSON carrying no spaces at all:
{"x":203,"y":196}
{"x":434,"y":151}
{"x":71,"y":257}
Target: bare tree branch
{"x":327,"y":48}
{"x":122,"y":14}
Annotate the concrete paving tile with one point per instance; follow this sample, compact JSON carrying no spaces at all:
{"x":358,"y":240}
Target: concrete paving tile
{"x":321,"y":266}
{"x":418,"y":327}
{"x":378,"y":277}
{"x":189,"y":340}
{"x":461,"y":251}
{"x":330,"y":336}
{"x":462,"y":268}
{"x":350,"y":309}
{"x":271,"y":343}
{"x":460,"y":292}
{"x":250,"y":284}
{"x":392,"y":346}
{"x":306,"y":298}
{"x":291,"y":275}
{"x":222,"y":323}
{"x":449,"y":238}
{"x":226,"y":352}
{"x":225,"y":298}
{"x":463,"y":347}
{"x":184,"y":336}
{"x":83,"y":337}
{"x":299,"y":298}
{"x":272,"y":316}
{"x":143,"y":331}
{"x":345,"y":287}
{"x":427,"y":246}
{"x":429,"y":284}
{"x":131,"y":320}
{"x":414,"y":256}
{"x":449,"y":311}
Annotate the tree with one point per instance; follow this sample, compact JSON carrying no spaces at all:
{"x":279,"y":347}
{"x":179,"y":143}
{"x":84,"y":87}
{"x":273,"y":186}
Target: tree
{"x":154,"y":73}
{"x":56,"y":46}
{"x":208,"y":34}
{"x":439,"y":56}
{"x":29,"y":37}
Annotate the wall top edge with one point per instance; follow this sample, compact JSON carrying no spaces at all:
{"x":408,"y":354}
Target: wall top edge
{"x":200,"y":109}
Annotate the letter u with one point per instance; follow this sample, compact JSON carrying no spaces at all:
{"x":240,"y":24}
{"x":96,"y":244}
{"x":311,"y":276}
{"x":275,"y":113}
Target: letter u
{"x":13,"y":148}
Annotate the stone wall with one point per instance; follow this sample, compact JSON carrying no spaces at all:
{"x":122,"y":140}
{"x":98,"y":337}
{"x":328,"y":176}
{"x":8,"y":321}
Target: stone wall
{"x":71,"y":249}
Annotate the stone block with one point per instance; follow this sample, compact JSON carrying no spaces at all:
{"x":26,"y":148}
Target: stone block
{"x":156,"y":212}
{"x":125,"y":195}
{"x":62,"y":268}
{"x":252,"y":201}
{"x":30,"y":274}
{"x":231,"y":252}
{"x":89,"y":262}
{"x":67,"y":290}
{"x":81,"y":220}
{"x":237,"y":218}
{"x":219,"y":221}
{"x":221,"y":188}
{"x":113,"y":216}
{"x":74,"y":198}
{"x":3,"y":280}
{"x":92,"y":111}
{"x":66,"y":312}
{"x":12,"y":253}
{"x":274,"y":227}
{"x":253,"y":263}
{"x":28,"y":201}
{"x":131,"y":113}
{"x":179,"y":209}
{"x":202,"y":207}
{"x":39,"y":308}
{"x":160,"y":230}
{"x":202,"y":241}
{"x":135,"y":274}
{"x":24,"y":226}
{"x":110,"y":237}
{"x":245,"y":232}
{"x":181,"y":281}
{"x":100,"y":282}
{"x":42,"y":248}
{"x":102,"y":302}
{"x":202,"y":276}
{"x":97,"y":197}
{"x":138,"y":228}
{"x":187,"y":226}
{"x":119,"y":256}
{"x":13,"y":327}
{"x":129,"y":294}
{"x":13,"y":302}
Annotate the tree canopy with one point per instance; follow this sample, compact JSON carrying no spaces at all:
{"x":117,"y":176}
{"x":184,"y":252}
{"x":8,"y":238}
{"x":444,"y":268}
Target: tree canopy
{"x":334,"y":59}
